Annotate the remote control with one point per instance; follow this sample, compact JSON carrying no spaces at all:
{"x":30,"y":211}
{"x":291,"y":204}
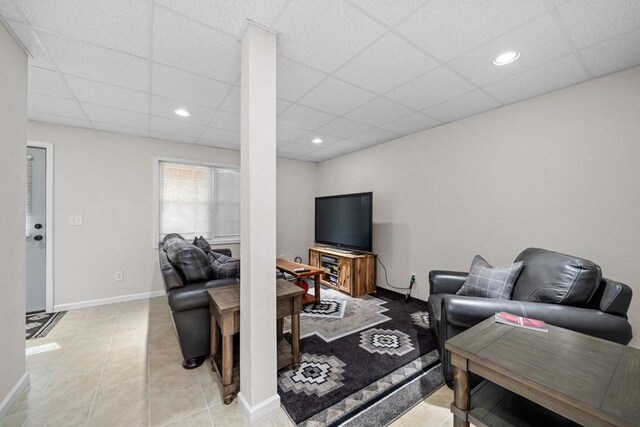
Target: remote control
{"x":300,"y":270}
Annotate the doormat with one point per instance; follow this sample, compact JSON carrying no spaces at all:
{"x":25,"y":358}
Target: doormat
{"x":360,"y":366}
{"x":325,"y":308}
{"x":40,"y":324}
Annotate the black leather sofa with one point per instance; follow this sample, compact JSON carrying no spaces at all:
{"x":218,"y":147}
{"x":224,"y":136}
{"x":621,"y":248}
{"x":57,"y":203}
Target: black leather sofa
{"x":560,"y":289}
{"x":187,"y":274}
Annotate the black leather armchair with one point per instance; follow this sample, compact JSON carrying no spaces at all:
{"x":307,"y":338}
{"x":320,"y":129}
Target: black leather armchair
{"x":187,"y":295}
{"x":560,"y":289}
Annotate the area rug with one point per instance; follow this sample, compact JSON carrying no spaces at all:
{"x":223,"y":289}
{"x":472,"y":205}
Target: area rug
{"x":325,"y":309}
{"x":353,"y":364}
{"x":39,"y":325}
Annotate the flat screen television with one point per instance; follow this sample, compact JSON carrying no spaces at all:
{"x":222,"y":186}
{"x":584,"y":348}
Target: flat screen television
{"x":345,"y":221}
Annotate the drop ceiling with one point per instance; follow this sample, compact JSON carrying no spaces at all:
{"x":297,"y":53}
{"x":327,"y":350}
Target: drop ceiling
{"x":354,"y":73}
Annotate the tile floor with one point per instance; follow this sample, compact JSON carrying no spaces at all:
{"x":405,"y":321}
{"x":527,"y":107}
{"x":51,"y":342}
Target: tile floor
{"x":119,"y":365}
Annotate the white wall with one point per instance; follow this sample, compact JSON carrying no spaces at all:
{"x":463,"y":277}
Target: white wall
{"x":560,"y":171}
{"x":297,"y":184}
{"x":13,"y":185}
{"x":108,"y":178}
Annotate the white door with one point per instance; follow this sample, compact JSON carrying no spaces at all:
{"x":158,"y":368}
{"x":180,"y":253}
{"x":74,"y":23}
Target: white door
{"x":36,"y":242}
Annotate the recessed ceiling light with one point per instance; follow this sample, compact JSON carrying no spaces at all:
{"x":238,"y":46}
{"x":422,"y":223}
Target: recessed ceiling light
{"x":316,"y":141}
{"x":182,"y":112}
{"x":506,"y":58}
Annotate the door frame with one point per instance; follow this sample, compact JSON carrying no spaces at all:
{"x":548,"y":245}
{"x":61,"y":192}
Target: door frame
{"x":48,"y":231}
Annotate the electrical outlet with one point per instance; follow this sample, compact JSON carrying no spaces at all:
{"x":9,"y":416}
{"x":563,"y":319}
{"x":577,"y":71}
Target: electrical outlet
{"x":75,"y":220}
{"x":119,"y":275}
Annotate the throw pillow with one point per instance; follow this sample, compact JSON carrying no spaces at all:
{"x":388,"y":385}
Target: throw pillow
{"x":488,"y":282}
{"x":202,"y":243}
{"x":190,"y":261}
{"x":223,"y":266}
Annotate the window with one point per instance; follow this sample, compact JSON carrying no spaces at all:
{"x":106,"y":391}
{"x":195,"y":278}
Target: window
{"x":197,"y":199}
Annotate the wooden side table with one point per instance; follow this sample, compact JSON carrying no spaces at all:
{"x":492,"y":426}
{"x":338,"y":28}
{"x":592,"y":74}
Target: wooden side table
{"x":224,"y":307}
{"x":289,"y":267}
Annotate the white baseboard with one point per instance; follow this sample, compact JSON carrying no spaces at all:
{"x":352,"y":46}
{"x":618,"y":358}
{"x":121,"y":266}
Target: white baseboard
{"x":111,"y":300}
{"x":14,"y":394}
{"x":259,"y":411}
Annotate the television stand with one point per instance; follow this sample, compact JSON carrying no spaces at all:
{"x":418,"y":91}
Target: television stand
{"x":345,"y":271}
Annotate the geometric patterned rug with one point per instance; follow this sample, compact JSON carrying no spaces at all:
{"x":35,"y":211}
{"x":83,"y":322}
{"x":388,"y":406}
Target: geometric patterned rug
{"x":325,"y":308}
{"x":39,"y":325}
{"x":349,"y":364}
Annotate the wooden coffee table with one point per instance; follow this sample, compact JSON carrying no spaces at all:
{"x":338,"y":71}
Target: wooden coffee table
{"x":585,"y":379}
{"x":289,"y":267}
{"x":224,"y":307}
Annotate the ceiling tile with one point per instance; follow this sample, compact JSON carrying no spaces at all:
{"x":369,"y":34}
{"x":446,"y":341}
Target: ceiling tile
{"x":463,"y":106}
{"x":413,"y":123}
{"x":224,"y":120}
{"x":175,"y":127}
{"x":336,"y":97}
{"x":96,"y":63}
{"x":294,"y":148}
{"x":379,"y":111}
{"x":327,"y":140}
{"x":114,"y":116}
{"x":448,"y":28}
{"x":386,"y":64}
{"x":338,"y":33}
{"x":60,"y":120}
{"x":37,"y":103}
{"x":117,"y":24}
{"x":346,"y":146}
{"x":173,"y":138}
{"x":227,"y":15}
{"x":218,"y":144}
{"x":287,"y":133}
{"x":108,"y":95}
{"x":373,"y":137}
{"x":389,"y":12}
{"x":614,"y":54}
{"x":9,"y":9}
{"x":433,"y":88}
{"x":165,"y":107}
{"x":546,"y":78}
{"x":592,"y":21}
{"x":294,"y":80}
{"x":321,"y":155}
{"x":288,"y":155}
{"x":281,"y":106}
{"x":538,"y":41}
{"x":47,"y":82}
{"x":38,"y":57}
{"x":343,"y":128}
{"x":180,"y":85}
{"x":187,"y":45}
{"x":221,"y":135}
{"x":232,"y":102}
{"x":120,"y":129}
{"x":304,"y":118}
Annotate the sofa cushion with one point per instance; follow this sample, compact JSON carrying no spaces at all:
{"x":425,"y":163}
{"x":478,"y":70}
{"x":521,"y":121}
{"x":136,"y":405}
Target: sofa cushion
{"x":488,"y":282}
{"x":190,"y":261}
{"x":223,"y":266}
{"x":555,"y":278}
{"x":202,"y":243}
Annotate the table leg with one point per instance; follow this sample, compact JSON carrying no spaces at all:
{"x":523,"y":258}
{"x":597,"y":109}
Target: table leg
{"x":295,"y":331}
{"x":279,"y":329}
{"x":461,"y":396}
{"x":215,"y":336}
{"x":316,"y":284}
{"x":227,"y":366}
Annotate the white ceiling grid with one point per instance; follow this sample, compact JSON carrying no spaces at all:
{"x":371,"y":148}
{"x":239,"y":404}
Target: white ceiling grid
{"x":355,"y":73}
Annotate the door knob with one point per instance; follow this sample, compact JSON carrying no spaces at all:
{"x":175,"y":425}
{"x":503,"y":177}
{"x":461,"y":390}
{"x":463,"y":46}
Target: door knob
{"x":38,"y":237}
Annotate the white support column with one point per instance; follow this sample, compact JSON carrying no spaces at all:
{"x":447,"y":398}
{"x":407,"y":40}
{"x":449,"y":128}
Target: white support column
{"x":258,"y":359}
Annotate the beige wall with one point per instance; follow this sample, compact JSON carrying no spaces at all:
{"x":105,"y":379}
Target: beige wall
{"x":13,"y":179}
{"x":297,"y":184}
{"x":560,"y":171}
{"x":108,"y":178}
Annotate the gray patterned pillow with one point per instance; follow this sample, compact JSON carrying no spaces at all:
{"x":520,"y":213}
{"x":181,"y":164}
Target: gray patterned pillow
{"x":488,"y":282}
{"x":223,"y":266}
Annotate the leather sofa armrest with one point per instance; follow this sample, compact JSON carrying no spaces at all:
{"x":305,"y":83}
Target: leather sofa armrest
{"x":170,"y":277}
{"x":446,"y":282}
{"x":463,"y":312}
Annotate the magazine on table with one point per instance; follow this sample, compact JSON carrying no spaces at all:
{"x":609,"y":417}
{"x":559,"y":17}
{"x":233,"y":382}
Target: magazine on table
{"x":521,"y":322}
